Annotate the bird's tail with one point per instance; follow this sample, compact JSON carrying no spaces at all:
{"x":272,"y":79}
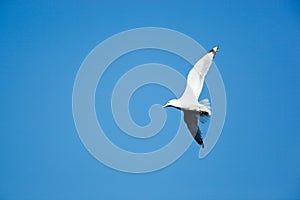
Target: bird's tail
{"x":205,"y":106}
{"x":205,"y":111}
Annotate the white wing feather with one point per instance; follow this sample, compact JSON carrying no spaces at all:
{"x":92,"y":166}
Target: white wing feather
{"x":195,"y":79}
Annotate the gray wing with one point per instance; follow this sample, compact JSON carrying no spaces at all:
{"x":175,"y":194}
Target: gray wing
{"x":196,"y":77}
{"x":191,"y":119}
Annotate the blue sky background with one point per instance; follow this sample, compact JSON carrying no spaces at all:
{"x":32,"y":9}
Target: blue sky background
{"x":42,"y":45}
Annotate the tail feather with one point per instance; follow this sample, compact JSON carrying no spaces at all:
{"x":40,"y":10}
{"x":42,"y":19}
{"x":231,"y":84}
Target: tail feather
{"x":205,"y":110}
{"x":205,"y":106}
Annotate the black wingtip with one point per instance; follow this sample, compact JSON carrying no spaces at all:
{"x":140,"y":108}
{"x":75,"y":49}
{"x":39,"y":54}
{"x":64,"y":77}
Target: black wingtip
{"x":214,"y":50}
{"x":198,"y":137}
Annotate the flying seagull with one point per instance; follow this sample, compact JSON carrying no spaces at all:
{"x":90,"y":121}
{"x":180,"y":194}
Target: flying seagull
{"x":188,"y":102}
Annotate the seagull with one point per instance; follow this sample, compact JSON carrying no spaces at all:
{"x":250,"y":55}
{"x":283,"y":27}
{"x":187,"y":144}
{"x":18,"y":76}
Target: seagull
{"x":188,"y":102}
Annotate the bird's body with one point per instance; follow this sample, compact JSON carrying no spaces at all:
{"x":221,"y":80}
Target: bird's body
{"x":188,"y":102}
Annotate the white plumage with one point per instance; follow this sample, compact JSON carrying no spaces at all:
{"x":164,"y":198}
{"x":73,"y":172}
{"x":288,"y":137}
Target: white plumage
{"x":188,"y":102}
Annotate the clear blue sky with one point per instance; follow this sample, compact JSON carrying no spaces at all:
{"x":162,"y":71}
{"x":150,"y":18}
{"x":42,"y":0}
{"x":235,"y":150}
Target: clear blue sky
{"x":42,"y":45}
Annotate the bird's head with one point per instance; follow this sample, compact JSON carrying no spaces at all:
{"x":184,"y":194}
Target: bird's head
{"x":174,"y":103}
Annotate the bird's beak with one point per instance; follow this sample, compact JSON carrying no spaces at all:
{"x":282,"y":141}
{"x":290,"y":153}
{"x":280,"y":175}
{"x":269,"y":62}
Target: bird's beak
{"x":164,"y":106}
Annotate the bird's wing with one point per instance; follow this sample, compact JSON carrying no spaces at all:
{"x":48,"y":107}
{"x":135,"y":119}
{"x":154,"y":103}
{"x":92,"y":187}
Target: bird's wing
{"x":191,"y":119}
{"x":196,"y":77}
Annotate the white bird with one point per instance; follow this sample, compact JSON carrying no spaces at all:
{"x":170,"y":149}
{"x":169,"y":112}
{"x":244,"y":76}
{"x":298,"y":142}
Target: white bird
{"x":188,"y":102}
